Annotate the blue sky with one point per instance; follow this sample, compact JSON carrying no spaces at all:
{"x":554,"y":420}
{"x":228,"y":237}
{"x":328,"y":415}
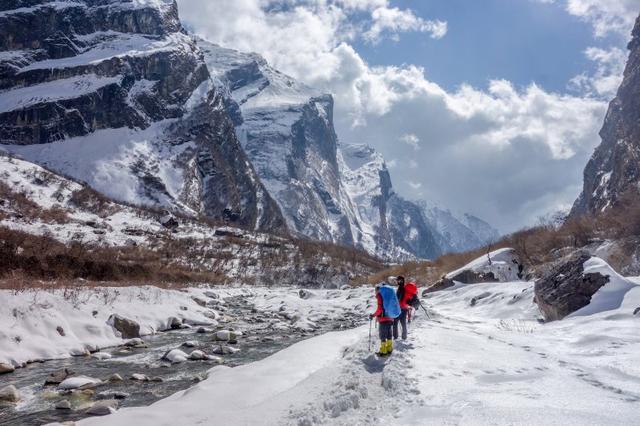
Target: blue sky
{"x":490,"y":107}
{"x":518,"y":40}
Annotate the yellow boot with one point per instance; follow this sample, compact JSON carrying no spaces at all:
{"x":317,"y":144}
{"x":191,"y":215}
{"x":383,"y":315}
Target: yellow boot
{"x":389,"y":346}
{"x":383,"y":348}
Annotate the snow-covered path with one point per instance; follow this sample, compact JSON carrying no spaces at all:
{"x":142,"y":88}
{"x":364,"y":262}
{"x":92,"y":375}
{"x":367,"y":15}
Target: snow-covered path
{"x":482,"y":359}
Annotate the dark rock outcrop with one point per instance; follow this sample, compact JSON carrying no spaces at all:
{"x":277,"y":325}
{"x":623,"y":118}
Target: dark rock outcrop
{"x":125,"y":77}
{"x":566,"y":288}
{"x":128,"y":329}
{"x":614,"y":168}
{"x":442,"y":284}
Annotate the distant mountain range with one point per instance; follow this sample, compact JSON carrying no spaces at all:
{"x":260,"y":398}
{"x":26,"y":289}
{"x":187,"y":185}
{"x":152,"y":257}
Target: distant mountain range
{"x":117,"y":94}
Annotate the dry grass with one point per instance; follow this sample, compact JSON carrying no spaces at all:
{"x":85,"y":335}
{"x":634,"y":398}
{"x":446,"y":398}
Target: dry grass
{"x":538,"y":245}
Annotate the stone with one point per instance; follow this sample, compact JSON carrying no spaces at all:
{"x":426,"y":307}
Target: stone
{"x":224,"y":350}
{"x":57,"y":377}
{"x":175,"y":356}
{"x":305,"y":294}
{"x":442,"y":284}
{"x":60,"y":331}
{"x":128,"y":328}
{"x":112,"y":394}
{"x":565,"y":288}
{"x":636,"y":311}
{"x":115,"y":377}
{"x":197,"y":355}
{"x":103,"y":408}
{"x":9,"y":394}
{"x":200,"y":301}
{"x":79,"y":382}
{"x":202,"y":330}
{"x":101,"y":355}
{"x":225,"y":335}
{"x":135,"y":343}
{"x":139,"y":377}
{"x":191,"y":344}
{"x":156,"y":379}
{"x":63,"y":405}
{"x":6,"y":368}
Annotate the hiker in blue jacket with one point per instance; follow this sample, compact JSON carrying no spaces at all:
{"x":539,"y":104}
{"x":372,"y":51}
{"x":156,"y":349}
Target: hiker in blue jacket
{"x":387,"y":310}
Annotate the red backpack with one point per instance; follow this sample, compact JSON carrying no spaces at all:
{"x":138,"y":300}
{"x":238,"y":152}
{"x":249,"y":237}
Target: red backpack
{"x":410,"y":293}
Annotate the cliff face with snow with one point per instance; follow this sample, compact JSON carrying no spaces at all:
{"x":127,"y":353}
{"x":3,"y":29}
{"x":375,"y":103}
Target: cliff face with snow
{"x":116,"y":94}
{"x":286,"y":129}
{"x":614,"y":167}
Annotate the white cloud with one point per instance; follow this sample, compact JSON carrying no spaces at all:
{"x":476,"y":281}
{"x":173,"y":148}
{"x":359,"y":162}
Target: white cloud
{"x":411,"y":140}
{"x":606,"y":16}
{"x":394,"y":20}
{"x":605,"y":80}
{"x":507,"y":154}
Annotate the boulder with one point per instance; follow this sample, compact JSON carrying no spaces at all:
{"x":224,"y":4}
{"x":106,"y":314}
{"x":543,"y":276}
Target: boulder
{"x":441,"y":284}
{"x":63,"y":405}
{"x":566,"y":288}
{"x":197,"y":355}
{"x":9,"y":394}
{"x":200,"y":301}
{"x":103,"y":408}
{"x":636,"y":311}
{"x":224,"y":350}
{"x":128,"y":328}
{"x":60,"y":331}
{"x":112,"y":394}
{"x":191,"y":344}
{"x":500,"y":265}
{"x":211,"y":294}
{"x":225,"y":335}
{"x":115,"y":377}
{"x":305,"y":294}
{"x":57,"y":377}
{"x":139,"y":377}
{"x":175,"y":323}
{"x":79,"y":382}
{"x":101,"y":355}
{"x":175,"y":356}
{"x":135,"y":343}
{"x":5,"y":367}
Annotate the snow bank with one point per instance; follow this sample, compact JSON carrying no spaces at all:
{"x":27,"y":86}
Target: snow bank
{"x":504,"y":265}
{"x":257,"y":393}
{"x":40,"y":325}
{"x":611,"y":295}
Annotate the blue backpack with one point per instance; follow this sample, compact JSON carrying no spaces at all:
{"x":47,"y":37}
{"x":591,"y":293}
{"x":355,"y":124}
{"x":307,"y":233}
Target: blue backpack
{"x":390,"y":302}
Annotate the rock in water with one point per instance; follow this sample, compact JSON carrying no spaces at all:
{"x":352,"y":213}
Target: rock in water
{"x":6,"y":368}
{"x":175,"y":356}
{"x":197,"y":355}
{"x":225,"y":335}
{"x":63,"y":405}
{"x":114,"y":378}
{"x":57,"y":377}
{"x":139,"y":377}
{"x":9,"y":394}
{"x":103,"y":408}
{"x":566,"y":288}
{"x":128,"y":329}
{"x":79,"y":382}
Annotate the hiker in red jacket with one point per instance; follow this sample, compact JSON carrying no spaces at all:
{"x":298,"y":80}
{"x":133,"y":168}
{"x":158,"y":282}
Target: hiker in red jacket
{"x":385,"y":325}
{"x":404,"y":306}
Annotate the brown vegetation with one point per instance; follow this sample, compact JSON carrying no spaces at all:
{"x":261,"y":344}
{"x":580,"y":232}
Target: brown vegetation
{"x":541,"y":244}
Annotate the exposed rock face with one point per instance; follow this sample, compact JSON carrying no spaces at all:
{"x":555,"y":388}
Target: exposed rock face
{"x":286,"y":129}
{"x":128,"y":329}
{"x":614,"y":167}
{"x":128,"y":99}
{"x":566,"y":288}
{"x":9,"y":394}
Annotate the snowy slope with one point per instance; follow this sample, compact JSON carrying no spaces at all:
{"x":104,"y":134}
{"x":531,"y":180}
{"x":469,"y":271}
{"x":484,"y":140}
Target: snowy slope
{"x":513,"y":370}
{"x":117,"y":95}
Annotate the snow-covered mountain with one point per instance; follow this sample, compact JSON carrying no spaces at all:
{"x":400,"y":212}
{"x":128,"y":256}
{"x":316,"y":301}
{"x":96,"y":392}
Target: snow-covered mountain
{"x":614,"y":167}
{"x":459,"y":232}
{"x":116,"y":94}
{"x":326,"y":190}
{"x":286,"y":129}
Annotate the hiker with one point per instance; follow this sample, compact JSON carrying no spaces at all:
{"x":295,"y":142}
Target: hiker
{"x":404,"y":310}
{"x":388,"y":309}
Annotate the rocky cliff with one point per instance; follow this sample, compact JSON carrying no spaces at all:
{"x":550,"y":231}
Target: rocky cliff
{"x":115,"y":93}
{"x":614,"y":168}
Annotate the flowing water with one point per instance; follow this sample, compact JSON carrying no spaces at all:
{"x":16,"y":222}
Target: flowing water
{"x":258,"y":341}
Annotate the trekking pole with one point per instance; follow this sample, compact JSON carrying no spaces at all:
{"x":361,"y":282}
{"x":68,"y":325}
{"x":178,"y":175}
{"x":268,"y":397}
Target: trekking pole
{"x":425,"y":310}
{"x":369,"y":334}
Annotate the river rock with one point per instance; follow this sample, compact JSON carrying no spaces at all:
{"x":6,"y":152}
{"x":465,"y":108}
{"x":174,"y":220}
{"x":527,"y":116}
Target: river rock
{"x":128,"y":328}
{"x":103,"y":408}
{"x":197,"y":355}
{"x":305,"y":294}
{"x":101,"y":355}
{"x":135,"y":343}
{"x":211,"y":294}
{"x":6,"y":368}
{"x":200,"y":301}
{"x":112,"y":394}
{"x":175,"y":323}
{"x":224,"y":350}
{"x":63,"y":405}
{"x":191,"y":344}
{"x":225,"y":335}
{"x":175,"y":356}
{"x":115,"y":377}
{"x":566,"y":288}
{"x":57,"y":377}
{"x":139,"y":377}
{"x":79,"y":382}
{"x":636,"y":311}
{"x":9,"y":394}
{"x":156,"y":379}
{"x":202,"y":330}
